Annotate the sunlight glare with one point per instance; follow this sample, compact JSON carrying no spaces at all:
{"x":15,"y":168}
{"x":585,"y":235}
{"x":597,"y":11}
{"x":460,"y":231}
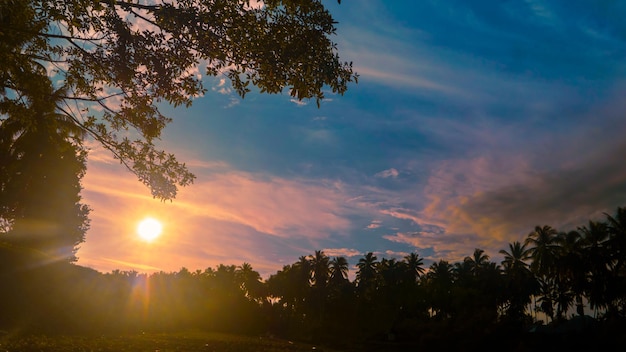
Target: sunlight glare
{"x":149,"y":229}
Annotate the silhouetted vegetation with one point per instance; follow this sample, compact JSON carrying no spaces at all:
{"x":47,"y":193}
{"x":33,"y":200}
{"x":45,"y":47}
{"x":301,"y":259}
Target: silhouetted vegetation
{"x":105,"y":66}
{"x":574,"y":281}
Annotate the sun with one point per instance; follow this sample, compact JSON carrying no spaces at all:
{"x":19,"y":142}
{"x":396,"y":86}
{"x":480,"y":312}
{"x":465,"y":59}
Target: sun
{"x":149,"y":229}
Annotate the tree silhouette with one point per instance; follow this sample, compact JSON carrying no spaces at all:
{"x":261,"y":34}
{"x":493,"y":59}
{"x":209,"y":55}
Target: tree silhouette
{"x":572,"y":269}
{"x":366,"y":272}
{"x":440,"y":279}
{"x":338,"y":271}
{"x":616,"y":247}
{"x":414,"y":266}
{"x":320,"y":269}
{"x":596,"y":235}
{"x":477,"y":261}
{"x":40,"y":173}
{"x":453,"y":305}
{"x":117,"y":60}
{"x":250,"y":281}
{"x":542,"y":250}
{"x":520,"y":282}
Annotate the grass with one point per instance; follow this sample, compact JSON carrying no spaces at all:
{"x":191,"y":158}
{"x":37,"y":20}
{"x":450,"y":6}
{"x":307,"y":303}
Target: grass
{"x":151,"y":342}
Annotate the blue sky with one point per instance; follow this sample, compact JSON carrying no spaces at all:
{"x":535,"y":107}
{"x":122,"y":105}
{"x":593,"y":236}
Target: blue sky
{"x":473,"y":122}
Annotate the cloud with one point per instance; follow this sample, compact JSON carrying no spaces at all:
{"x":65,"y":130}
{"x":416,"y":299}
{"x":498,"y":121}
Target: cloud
{"x":395,"y":254}
{"x":298,"y":102}
{"x":374,"y":224}
{"x":226,"y":216}
{"x":342,"y":252}
{"x":562,"y":181}
{"x":393,"y":173}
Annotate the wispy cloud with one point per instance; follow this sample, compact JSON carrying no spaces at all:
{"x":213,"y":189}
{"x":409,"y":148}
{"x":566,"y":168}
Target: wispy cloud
{"x":342,"y":252}
{"x":374,"y":224}
{"x":393,"y":173}
{"x":298,"y":102}
{"x":226,"y":215}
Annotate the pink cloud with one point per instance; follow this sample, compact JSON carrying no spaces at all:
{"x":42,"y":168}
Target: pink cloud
{"x":374,"y":224}
{"x":342,"y":252}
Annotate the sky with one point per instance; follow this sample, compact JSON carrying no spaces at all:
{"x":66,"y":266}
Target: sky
{"x":472,"y":123}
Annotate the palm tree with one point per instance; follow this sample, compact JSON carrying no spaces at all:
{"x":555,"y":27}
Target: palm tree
{"x":304,"y":268}
{"x":414,"y":266}
{"x":366,"y":273}
{"x":515,"y":258}
{"x":596,"y":237}
{"x":542,"y":252}
{"x":250,"y":281}
{"x":321,"y":270}
{"x":440,"y":280}
{"x":617,"y":238}
{"x":338,"y":270}
{"x":477,"y":261}
{"x":520,"y":282}
{"x":616,"y":250}
{"x":391,"y":271}
{"x":571,"y":271}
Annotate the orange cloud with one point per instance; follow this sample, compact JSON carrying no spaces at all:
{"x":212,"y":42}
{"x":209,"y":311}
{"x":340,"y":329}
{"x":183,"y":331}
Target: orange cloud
{"x":226,"y":217}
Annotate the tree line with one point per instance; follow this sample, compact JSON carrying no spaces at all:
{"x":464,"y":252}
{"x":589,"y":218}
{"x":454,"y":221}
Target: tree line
{"x":560,"y":274}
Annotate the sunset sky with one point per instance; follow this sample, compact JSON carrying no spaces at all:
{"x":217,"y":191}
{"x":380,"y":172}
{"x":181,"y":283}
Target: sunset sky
{"x":472,"y":123}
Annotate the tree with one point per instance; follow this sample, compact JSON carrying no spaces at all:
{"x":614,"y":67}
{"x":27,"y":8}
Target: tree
{"x":616,"y":247}
{"x":520,"y":284}
{"x":40,"y":171}
{"x":116,"y":61}
{"x":366,"y":273}
{"x":440,"y":280}
{"x":321,"y":269}
{"x":477,"y":261}
{"x":515,"y":258}
{"x":572,"y":271}
{"x":250,"y":281}
{"x":414,"y":266}
{"x":596,"y":237}
{"x":542,"y":251}
{"x":338,"y":271}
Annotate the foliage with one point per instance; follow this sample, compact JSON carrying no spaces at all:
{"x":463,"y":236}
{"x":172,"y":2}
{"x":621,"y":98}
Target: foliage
{"x":391,"y":303}
{"x":41,"y":165}
{"x":111,"y":63}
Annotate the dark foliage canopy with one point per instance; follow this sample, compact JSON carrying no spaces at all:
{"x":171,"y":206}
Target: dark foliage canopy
{"x":110,"y":63}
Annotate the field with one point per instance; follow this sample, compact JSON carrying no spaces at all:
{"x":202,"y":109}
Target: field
{"x":152,"y":342}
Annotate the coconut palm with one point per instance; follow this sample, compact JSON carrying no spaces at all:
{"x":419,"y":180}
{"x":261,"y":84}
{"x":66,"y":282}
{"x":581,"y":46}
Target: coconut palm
{"x":571,"y":270}
{"x":392,"y":272}
{"x":596,"y":237}
{"x":366,"y":273}
{"x":250,"y":281}
{"x":477,"y":261}
{"x":414,"y":266}
{"x":520,"y":283}
{"x":616,"y":250}
{"x":338,"y":270}
{"x":515,"y":258}
{"x":542,"y":250}
{"x":616,"y":242}
{"x":320,"y":267}
{"x":440,"y":280}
